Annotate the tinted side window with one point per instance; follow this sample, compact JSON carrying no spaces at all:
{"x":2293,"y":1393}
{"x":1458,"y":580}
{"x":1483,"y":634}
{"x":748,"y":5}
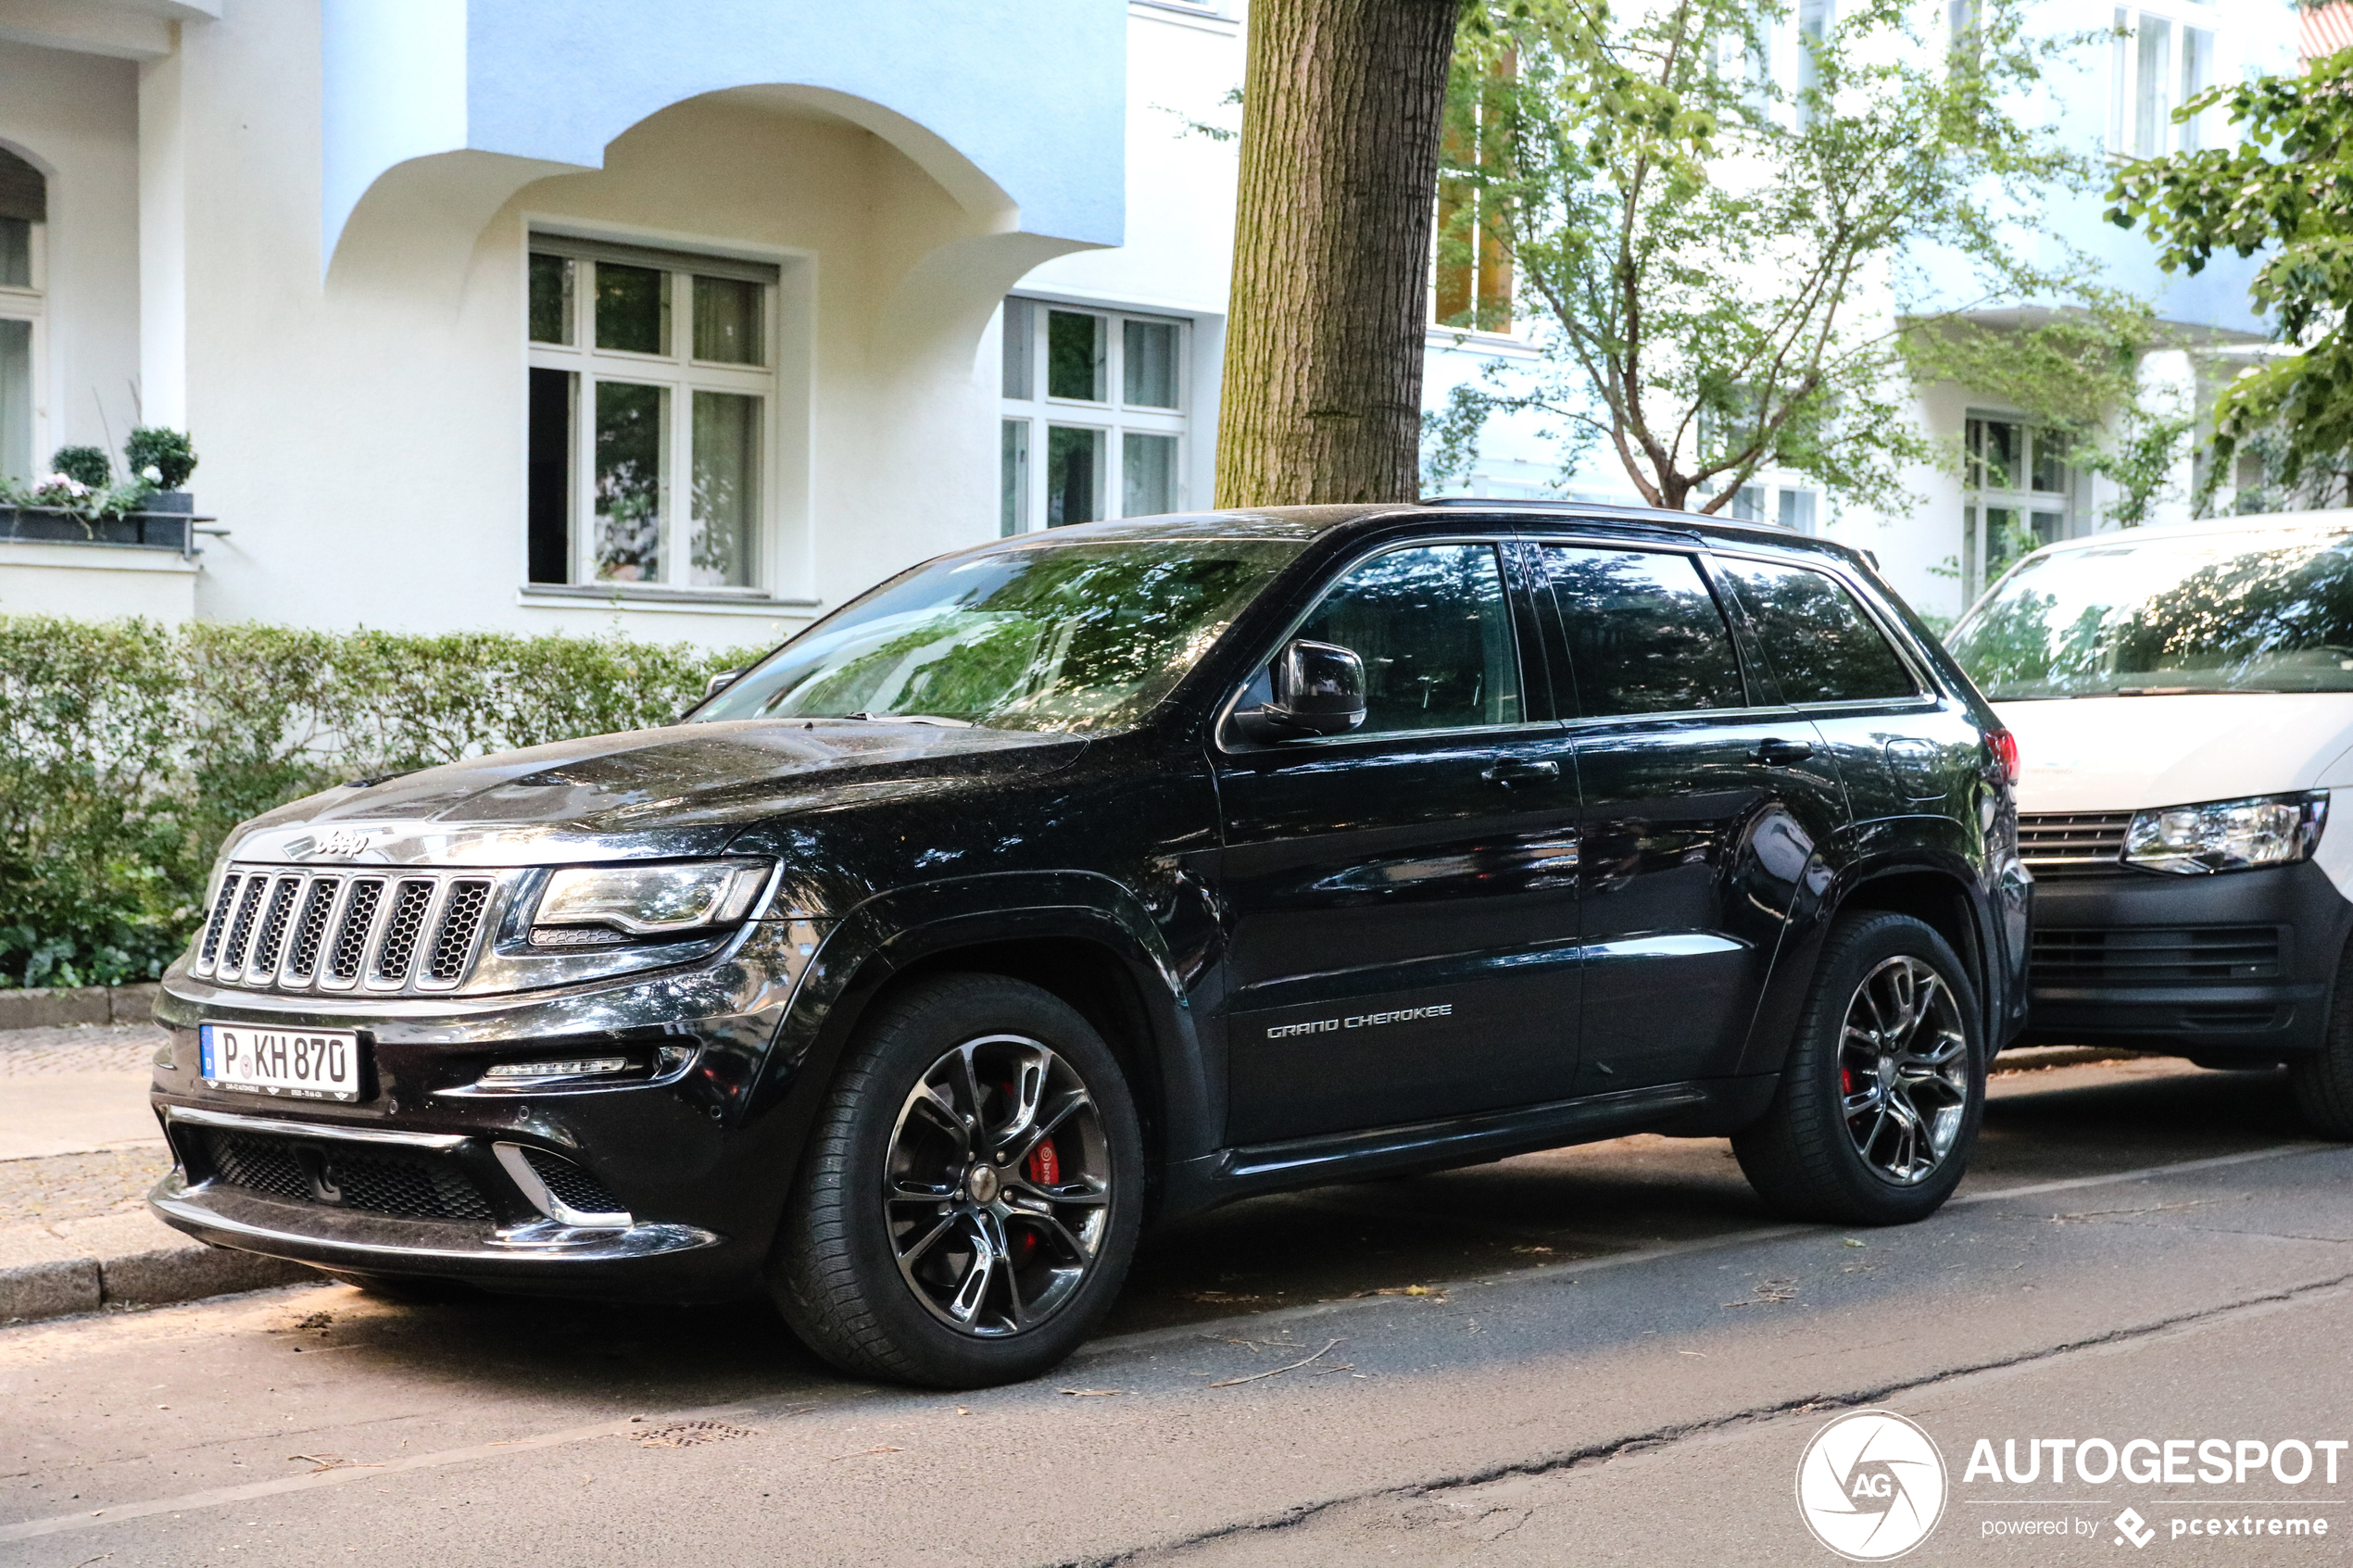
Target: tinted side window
{"x":1821,"y":644}
{"x":1644,"y":632}
{"x":1435,"y":633}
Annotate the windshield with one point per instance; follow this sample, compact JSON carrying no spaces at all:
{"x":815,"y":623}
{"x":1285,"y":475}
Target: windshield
{"x":1077,"y":637}
{"x":2263,"y":609}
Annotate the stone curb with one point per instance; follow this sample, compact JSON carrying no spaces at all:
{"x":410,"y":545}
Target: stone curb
{"x":82,"y":1265}
{"x":47,"y":1007}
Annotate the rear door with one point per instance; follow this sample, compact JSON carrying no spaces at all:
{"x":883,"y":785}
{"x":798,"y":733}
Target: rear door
{"x":1401,"y":901}
{"x":1703,"y":801}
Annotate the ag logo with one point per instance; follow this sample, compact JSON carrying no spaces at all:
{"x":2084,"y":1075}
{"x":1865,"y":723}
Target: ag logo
{"x":1871,"y":1485}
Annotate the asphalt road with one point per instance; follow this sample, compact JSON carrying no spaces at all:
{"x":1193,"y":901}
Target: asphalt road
{"x":1600,"y":1355}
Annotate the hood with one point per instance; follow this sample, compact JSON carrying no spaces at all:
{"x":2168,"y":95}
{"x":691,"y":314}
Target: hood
{"x":686,"y":789}
{"x":2123,"y":753}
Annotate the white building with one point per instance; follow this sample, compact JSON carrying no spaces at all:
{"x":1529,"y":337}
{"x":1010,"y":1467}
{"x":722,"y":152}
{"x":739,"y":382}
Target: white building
{"x":691,"y":319}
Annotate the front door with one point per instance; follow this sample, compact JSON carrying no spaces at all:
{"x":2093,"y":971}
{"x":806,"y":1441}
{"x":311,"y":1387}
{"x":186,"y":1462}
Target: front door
{"x":1702,"y":809}
{"x":1401,"y":901}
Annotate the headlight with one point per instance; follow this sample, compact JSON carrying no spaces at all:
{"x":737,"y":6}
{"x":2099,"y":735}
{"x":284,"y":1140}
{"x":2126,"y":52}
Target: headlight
{"x":2226,"y":836}
{"x":588,"y":906}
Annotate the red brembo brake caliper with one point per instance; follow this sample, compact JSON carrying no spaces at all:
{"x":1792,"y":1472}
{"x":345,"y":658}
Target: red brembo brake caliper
{"x":1044,"y":1168}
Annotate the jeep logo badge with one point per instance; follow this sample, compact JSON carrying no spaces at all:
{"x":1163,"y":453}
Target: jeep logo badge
{"x":344,"y":842}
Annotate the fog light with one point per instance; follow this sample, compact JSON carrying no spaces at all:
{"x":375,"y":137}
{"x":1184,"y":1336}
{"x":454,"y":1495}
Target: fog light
{"x":580,"y":1067}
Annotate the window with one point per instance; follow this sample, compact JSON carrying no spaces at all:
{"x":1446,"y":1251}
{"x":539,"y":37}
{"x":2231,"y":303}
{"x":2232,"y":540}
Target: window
{"x":652,"y":378}
{"x":25,"y":219}
{"x":1098,"y":398}
{"x":1048,"y":634}
{"x":1793,"y":509}
{"x":1643,"y":631}
{"x":2017,"y":492}
{"x":1814,"y":18}
{"x":2155,"y":65}
{"x":1821,"y":644}
{"x":1435,"y":633}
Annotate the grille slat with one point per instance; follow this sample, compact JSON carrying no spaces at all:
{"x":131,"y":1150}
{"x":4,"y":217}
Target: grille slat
{"x":218,"y":925}
{"x":2072,"y":843}
{"x":358,"y":919}
{"x":402,"y":928}
{"x":277,"y":915}
{"x":310,"y":928}
{"x":232,"y":957}
{"x":453,"y":942}
{"x":2146,"y":955}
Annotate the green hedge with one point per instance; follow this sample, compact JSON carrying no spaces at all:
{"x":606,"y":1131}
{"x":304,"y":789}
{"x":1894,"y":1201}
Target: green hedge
{"x":128,"y":750}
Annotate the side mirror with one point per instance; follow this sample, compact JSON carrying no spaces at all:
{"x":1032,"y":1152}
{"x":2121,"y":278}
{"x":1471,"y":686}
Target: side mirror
{"x":720,"y":682}
{"x":1319,"y":690}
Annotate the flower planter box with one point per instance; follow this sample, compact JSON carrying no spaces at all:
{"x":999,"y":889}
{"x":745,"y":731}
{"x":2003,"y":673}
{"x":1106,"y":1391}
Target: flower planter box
{"x":151,"y":529}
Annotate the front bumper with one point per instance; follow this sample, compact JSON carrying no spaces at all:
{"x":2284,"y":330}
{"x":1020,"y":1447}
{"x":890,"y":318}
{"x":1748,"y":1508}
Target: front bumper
{"x":2239,"y":964}
{"x":666,"y":1184}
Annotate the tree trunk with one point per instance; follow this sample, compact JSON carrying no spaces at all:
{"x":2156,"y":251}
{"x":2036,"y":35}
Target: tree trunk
{"x":1341,"y":108}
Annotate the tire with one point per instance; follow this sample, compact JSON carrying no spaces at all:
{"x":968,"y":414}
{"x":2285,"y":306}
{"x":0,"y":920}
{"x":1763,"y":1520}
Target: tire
{"x":1836,"y":1145}
{"x":886,"y":1286}
{"x":2323,"y":1083}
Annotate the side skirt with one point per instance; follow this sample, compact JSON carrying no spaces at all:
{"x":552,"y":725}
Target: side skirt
{"x":1704,"y":1108}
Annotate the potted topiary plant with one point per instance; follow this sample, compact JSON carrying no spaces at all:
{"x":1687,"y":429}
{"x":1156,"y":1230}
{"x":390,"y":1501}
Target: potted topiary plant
{"x":164,"y":459}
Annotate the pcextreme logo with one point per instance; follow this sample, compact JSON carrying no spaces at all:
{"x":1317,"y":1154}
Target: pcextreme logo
{"x":1871,"y":1485}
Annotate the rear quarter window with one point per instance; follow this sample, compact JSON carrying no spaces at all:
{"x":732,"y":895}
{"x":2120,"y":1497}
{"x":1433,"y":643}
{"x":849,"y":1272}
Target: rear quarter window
{"x":1821,"y":644}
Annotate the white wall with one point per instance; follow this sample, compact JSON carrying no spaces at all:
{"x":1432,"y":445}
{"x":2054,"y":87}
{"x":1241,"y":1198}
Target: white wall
{"x":76,"y":118}
{"x":364,"y":436}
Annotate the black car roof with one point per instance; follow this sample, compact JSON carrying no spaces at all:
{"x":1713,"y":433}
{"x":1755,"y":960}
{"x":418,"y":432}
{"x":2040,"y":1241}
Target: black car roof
{"x":1305,"y":523}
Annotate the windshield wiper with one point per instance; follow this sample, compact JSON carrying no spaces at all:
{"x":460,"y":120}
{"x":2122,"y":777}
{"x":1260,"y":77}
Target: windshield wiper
{"x":944,"y":723}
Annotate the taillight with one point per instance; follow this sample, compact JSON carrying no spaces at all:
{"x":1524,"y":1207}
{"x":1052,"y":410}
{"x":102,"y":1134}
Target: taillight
{"x":2005,"y":747}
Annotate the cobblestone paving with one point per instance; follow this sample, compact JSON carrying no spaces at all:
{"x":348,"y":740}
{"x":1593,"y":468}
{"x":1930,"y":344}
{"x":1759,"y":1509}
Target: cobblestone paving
{"x":78,"y":1048}
{"x":77,"y":1187}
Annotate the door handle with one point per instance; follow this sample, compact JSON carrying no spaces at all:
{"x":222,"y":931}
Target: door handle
{"x":1510,"y":773}
{"x":1775,"y":752}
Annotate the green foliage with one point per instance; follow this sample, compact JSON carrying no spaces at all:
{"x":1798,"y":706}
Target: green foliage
{"x":128,"y":750}
{"x":83,"y":465}
{"x":2286,"y":188}
{"x":2140,"y":458}
{"x":169,"y":452}
{"x":1729,"y":273}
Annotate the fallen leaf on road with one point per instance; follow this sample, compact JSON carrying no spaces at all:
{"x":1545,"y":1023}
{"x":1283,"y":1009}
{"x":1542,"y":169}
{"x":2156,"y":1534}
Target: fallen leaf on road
{"x":862,"y":1453}
{"x":1531,"y":1249}
{"x":1853,"y":1242}
{"x":1216,"y":1295}
{"x":1092,"y":1393}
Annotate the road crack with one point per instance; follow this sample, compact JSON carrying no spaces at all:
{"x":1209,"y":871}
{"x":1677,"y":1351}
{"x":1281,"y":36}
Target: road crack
{"x":1659,"y":1439}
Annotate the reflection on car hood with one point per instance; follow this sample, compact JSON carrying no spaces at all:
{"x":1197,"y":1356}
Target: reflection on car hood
{"x":685,"y":789}
{"x":2122,"y":753}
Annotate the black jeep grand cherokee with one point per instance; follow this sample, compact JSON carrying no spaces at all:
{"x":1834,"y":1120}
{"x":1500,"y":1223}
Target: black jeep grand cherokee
{"x":1107,"y":874}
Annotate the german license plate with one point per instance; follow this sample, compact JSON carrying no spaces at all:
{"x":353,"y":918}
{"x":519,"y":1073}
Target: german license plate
{"x":295,"y":1063}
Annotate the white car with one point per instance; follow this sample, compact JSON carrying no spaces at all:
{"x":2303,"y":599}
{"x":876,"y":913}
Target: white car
{"x":2182,"y":699}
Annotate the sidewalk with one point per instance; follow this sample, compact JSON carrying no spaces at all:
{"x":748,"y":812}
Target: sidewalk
{"x":79,"y":1149}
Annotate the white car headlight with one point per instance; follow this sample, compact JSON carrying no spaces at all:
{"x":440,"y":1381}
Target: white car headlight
{"x":587,"y":906}
{"x":2226,"y":836}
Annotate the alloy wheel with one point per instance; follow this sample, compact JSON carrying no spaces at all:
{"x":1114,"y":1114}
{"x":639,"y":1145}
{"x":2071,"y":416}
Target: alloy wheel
{"x":998,"y":1188}
{"x":1904,"y":1070}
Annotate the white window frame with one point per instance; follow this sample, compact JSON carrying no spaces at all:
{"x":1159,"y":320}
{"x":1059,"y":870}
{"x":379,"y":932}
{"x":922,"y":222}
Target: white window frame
{"x":2066,"y":503}
{"x":31,"y":304}
{"x":683,"y":376}
{"x":1113,"y":415}
{"x":2176,"y":80}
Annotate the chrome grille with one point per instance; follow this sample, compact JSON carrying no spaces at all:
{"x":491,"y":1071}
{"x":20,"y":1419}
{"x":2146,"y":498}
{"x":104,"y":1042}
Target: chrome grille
{"x":291,"y":929}
{"x":2072,"y":843}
